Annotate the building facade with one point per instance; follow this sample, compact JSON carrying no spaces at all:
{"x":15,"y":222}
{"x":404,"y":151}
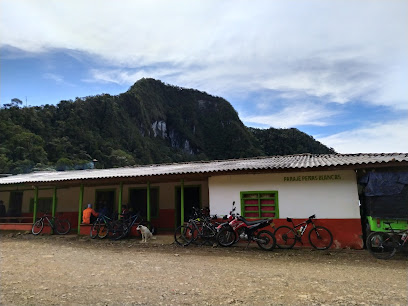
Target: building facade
{"x":278,"y":187}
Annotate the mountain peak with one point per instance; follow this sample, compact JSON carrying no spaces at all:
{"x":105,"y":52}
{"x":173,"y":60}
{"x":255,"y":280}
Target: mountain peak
{"x":152,"y":122}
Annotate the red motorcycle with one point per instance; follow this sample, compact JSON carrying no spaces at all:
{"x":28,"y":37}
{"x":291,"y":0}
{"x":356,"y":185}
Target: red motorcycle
{"x":238,"y":228}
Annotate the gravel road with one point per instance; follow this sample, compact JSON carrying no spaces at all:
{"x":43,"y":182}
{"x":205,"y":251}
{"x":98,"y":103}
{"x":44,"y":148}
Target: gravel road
{"x":71,"y":270}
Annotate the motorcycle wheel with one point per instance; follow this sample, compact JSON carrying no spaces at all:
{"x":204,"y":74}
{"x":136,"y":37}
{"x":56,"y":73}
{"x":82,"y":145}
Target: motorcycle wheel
{"x":226,"y":237}
{"x":266,"y":240}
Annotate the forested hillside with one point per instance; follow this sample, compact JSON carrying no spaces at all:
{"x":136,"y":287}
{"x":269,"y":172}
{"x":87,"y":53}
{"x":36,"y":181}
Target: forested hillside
{"x":287,"y":141}
{"x":150,"y":123}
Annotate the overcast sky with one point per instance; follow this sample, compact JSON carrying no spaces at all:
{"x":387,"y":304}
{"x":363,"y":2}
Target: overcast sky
{"x":337,"y":70}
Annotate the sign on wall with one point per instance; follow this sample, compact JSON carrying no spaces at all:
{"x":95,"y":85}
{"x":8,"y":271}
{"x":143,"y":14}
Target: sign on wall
{"x":301,"y":178}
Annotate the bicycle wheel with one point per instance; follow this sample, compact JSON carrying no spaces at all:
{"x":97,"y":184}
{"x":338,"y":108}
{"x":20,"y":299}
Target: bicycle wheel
{"x":381,"y":245}
{"x":95,"y":229}
{"x":117,"y":228}
{"x":121,"y":231}
{"x":203,"y":236}
{"x":226,"y":237}
{"x":37,"y":227}
{"x":197,"y":229}
{"x":183,"y":235}
{"x":266,"y":240}
{"x":103,"y":230}
{"x":62,"y":227}
{"x":320,"y":238}
{"x":208,"y":234}
{"x":285,"y":237}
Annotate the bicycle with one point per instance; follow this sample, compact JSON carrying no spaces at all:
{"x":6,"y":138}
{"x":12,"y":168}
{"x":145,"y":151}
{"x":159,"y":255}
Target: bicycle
{"x":199,"y":229}
{"x":203,"y":229}
{"x":123,"y":226}
{"x":103,"y":226}
{"x":61,"y":227}
{"x":383,"y":245}
{"x":319,"y":236}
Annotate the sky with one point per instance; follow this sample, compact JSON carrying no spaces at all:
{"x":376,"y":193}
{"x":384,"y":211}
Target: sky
{"x":336,"y":70}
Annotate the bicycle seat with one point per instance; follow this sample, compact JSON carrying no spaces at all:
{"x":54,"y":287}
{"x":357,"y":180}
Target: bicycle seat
{"x":289,"y":219}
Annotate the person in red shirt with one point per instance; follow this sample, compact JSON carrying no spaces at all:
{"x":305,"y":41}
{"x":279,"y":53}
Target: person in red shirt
{"x":89,"y":215}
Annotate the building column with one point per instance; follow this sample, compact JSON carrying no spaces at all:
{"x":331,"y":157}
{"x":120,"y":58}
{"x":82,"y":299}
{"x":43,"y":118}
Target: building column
{"x":54,"y":202}
{"x":182,"y":202}
{"x":35,"y":204}
{"x":120,"y":200}
{"x":148,"y":202}
{"x":81,"y":202}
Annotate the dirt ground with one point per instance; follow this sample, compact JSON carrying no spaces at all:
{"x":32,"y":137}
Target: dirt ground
{"x":71,"y":270}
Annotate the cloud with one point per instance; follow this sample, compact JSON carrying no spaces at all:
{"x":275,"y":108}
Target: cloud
{"x":299,"y":114}
{"x":393,"y":88}
{"x":340,"y":80}
{"x":55,"y":77}
{"x":127,"y":77}
{"x":334,"y":51}
{"x":388,"y":137}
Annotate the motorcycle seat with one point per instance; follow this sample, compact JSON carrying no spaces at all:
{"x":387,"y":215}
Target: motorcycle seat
{"x":252,"y":222}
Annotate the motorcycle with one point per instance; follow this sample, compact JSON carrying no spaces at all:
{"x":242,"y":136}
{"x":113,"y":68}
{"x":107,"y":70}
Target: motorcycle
{"x":238,"y":228}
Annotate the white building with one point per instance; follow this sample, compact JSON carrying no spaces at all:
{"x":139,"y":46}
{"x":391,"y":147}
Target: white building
{"x":276,"y":187}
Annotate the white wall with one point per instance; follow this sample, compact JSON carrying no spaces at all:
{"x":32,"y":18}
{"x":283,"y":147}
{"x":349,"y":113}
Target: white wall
{"x":328,"y":194}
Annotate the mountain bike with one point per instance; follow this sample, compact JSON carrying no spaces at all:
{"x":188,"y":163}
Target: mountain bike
{"x":200,"y":229}
{"x":102,"y":226}
{"x":123,"y":226}
{"x":60,"y":226}
{"x":319,"y":237}
{"x":204,"y":228}
{"x":383,"y":245}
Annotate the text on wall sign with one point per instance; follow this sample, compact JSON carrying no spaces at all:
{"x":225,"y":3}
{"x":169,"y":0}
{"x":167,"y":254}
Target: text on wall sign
{"x":301,"y":178}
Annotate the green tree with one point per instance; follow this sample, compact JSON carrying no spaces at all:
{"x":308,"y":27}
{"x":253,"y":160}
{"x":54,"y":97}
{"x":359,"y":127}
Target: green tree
{"x":152,"y":122}
{"x":14,"y":103}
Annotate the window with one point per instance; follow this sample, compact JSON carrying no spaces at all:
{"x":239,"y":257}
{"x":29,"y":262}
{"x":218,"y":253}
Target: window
{"x":259,"y":204}
{"x":44,"y":205}
{"x":138,"y":201}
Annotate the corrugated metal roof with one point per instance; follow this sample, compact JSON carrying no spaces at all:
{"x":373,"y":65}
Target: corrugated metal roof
{"x":287,"y":162}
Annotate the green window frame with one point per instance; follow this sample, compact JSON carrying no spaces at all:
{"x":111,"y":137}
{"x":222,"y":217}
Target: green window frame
{"x":259,"y":204}
{"x":44,"y":205}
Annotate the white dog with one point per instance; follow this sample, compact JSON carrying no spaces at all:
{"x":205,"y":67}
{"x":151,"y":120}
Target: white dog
{"x":146,"y":233}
